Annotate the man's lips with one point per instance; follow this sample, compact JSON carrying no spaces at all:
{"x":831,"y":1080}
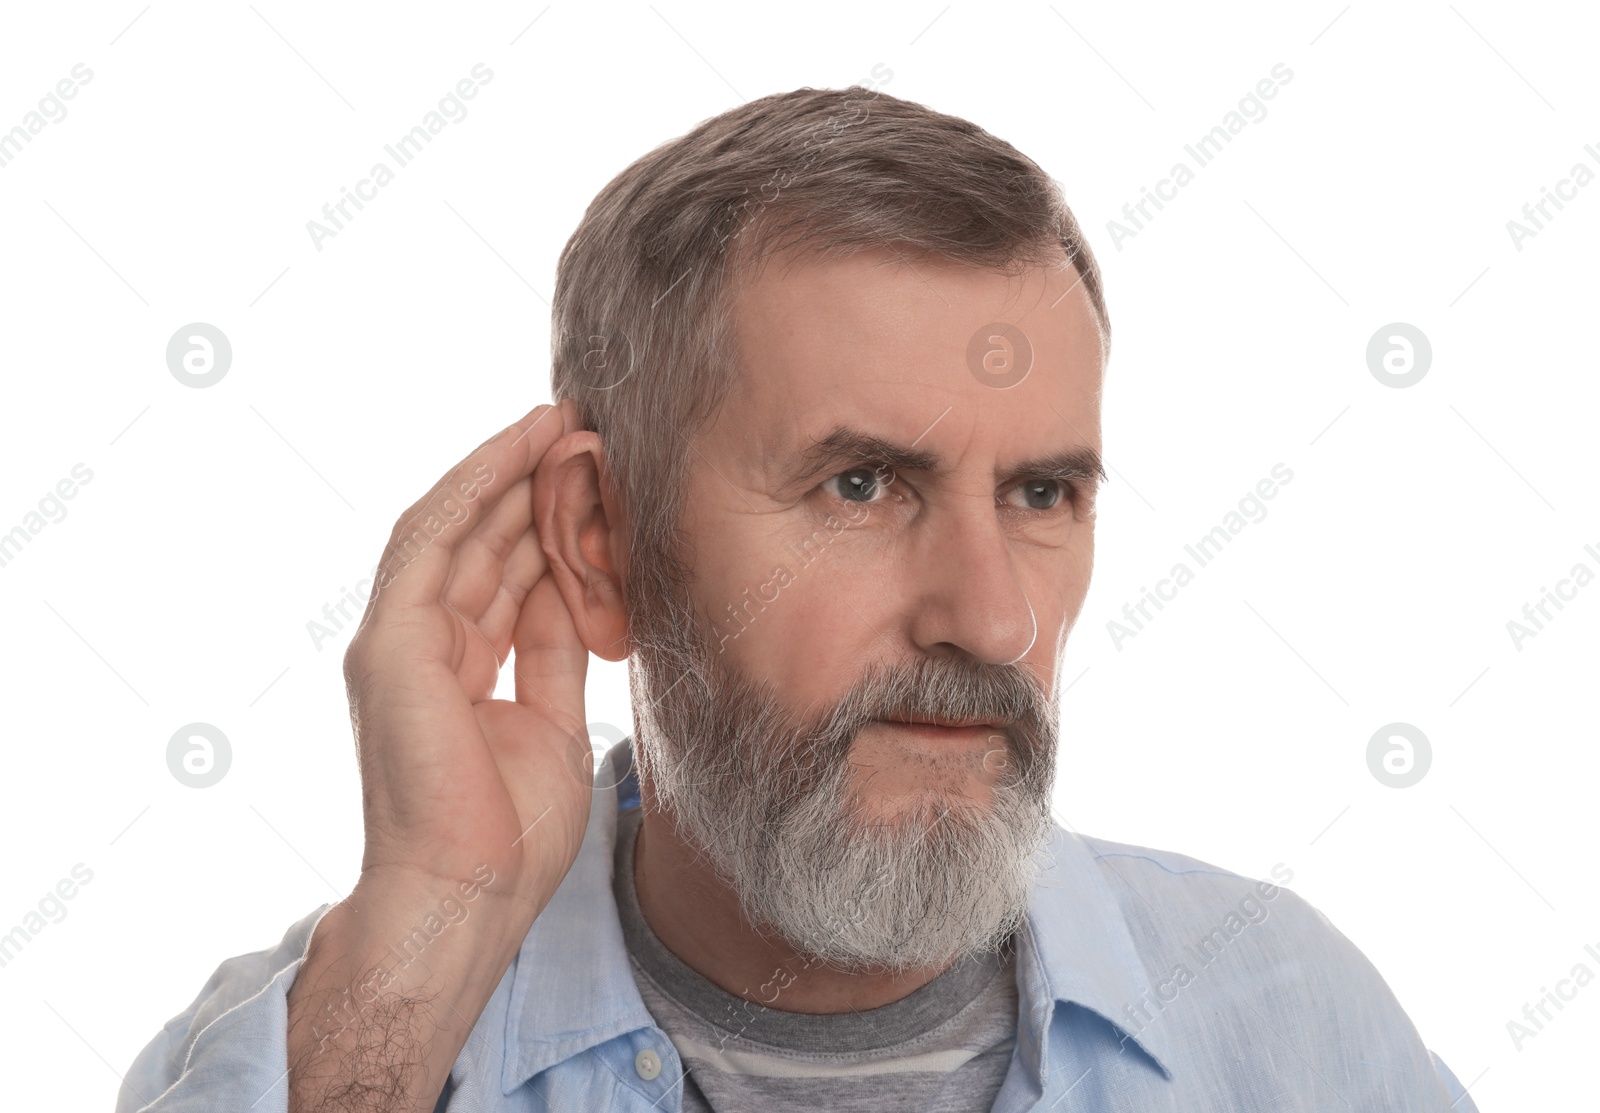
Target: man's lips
{"x":936,"y":735}
{"x":941,"y":725}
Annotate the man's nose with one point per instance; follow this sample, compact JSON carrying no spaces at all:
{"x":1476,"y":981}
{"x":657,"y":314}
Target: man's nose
{"x":966,"y":589}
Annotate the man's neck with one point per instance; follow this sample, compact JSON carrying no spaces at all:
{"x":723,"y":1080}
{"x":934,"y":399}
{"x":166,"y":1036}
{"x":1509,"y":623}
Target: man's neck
{"x":698,"y":918}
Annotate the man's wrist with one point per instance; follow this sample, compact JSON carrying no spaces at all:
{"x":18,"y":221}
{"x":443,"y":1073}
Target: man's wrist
{"x":392,"y":982}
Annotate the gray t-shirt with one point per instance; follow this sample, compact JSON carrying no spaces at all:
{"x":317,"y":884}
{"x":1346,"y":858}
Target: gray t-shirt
{"x":945,"y":1048}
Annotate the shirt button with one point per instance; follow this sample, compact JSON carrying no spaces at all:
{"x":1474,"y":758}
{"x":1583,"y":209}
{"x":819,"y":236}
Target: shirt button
{"x":648,"y":1064}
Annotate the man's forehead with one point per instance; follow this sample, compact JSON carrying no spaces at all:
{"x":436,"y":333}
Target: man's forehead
{"x":884,"y":349}
{"x":875,"y":317}
{"x":793,"y":287}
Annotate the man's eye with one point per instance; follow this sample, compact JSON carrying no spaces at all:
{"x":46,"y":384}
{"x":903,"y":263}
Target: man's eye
{"x":1042,"y":494}
{"x":859,"y":484}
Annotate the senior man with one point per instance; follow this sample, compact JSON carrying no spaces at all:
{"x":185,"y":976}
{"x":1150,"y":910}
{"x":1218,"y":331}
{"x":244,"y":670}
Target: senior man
{"x":823,"y":469}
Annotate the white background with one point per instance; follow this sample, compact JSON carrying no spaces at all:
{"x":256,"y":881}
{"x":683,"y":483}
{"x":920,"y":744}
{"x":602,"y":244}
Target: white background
{"x":1233,"y":728}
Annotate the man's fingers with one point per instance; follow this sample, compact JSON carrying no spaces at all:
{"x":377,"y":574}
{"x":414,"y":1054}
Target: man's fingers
{"x":416,"y":562}
{"x":480,"y":570}
{"x":523,"y":568}
{"x":551,"y":660}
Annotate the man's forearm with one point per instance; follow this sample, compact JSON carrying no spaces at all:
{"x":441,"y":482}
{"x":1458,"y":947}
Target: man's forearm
{"x":387,"y":994}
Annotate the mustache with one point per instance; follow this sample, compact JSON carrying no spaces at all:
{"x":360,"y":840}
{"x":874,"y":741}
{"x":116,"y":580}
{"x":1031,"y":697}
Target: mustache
{"x":933,"y":687}
{"x":1007,"y":696}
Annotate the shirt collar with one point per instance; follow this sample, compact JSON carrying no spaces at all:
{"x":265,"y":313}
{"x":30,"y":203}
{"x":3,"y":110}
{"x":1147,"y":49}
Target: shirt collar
{"x":573,"y":988}
{"x":1077,"y":950}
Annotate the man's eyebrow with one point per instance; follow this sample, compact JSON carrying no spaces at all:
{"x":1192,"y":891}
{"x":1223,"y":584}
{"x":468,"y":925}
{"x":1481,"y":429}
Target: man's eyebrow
{"x":1073,"y":465}
{"x":844,"y":443}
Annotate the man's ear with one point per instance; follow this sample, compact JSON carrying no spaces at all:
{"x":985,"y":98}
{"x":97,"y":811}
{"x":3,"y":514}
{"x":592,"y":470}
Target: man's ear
{"x":582,"y":534}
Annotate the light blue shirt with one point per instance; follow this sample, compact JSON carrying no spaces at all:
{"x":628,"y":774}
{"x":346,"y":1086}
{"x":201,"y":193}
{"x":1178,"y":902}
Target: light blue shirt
{"x":1147,"y":981}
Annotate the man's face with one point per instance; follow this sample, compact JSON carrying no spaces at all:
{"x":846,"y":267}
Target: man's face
{"x":873,"y":541}
{"x":959,"y":562}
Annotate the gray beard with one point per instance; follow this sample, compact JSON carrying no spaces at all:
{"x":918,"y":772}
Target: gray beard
{"x":765,"y":796}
